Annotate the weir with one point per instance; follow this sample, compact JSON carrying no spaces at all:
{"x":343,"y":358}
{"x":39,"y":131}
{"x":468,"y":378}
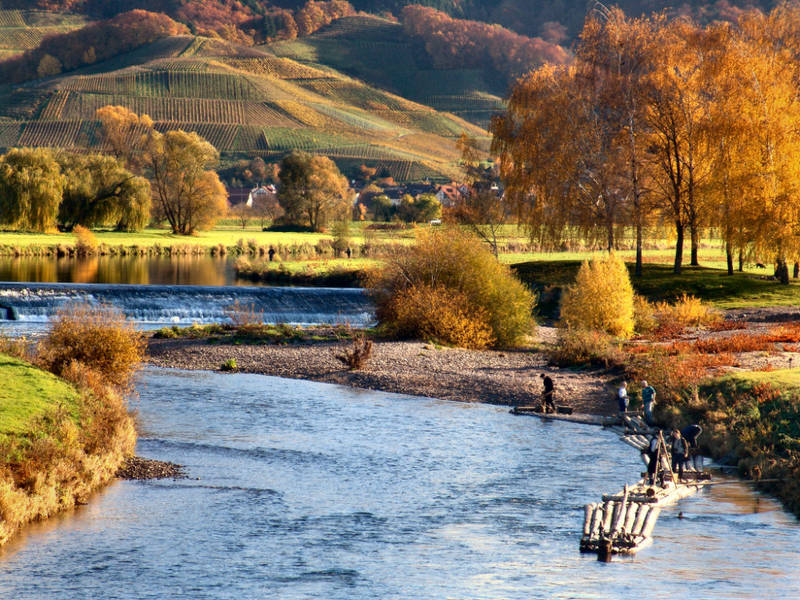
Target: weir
{"x":623,"y":523}
{"x":184,"y":305}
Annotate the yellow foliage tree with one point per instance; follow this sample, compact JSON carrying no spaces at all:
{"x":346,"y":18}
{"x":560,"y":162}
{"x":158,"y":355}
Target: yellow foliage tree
{"x":601,"y":299}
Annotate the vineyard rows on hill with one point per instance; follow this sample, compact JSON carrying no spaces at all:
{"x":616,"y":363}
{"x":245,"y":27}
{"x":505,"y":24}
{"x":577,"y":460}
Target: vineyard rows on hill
{"x":176,"y":84}
{"x":276,"y":67}
{"x":12,"y":18}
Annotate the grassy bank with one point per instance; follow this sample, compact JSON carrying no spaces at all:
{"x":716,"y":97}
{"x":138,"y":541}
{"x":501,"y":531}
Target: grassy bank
{"x":750,"y":420}
{"x":58,"y":443}
{"x":328,"y":273}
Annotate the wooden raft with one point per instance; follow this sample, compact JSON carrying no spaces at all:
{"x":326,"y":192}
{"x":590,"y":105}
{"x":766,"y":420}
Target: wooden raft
{"x":623,"y":523}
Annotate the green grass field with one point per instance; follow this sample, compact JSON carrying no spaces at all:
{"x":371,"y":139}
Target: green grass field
{"x":163,"y":237}
{"x":29,"y":393}
{"x":788,"y":380}
{"x":658,"y":282}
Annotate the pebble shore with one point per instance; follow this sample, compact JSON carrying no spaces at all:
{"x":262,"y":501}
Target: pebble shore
{"x":413,"y":368}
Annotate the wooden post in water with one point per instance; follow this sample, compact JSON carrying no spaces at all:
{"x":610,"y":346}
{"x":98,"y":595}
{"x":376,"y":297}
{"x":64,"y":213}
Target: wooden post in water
{"x":604,"y":550}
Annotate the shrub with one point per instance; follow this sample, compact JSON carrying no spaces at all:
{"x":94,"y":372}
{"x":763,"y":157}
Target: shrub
{"x":229,"y":365}
{"x":468,"y":283}
{"x":85,"y":241}
{"x":97,"y":336}
{"x":439,"y":314}
{"x":583,"y":346}
{"x":644,"y":315}
{"x":688,"y":311}
{"x":359,"y":352}
{"x":601,"y":298}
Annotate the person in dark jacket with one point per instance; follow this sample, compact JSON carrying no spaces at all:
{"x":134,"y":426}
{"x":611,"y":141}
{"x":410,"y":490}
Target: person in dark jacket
{"x":690,"y":433}
{"x":548,"y":402}
{"x":680,"y":452}
{"x":653,"y":458}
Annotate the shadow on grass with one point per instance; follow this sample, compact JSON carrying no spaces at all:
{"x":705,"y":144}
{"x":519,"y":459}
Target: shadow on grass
{"x":658,"y":283}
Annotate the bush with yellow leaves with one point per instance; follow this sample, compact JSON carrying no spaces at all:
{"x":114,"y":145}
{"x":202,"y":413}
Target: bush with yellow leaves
{"x":601,"y":299}
{"x":469,"y":289}
{"x":441,"y":315}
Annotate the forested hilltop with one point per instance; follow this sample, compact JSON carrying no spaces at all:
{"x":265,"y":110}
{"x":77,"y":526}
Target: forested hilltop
{"x":556,"y":21}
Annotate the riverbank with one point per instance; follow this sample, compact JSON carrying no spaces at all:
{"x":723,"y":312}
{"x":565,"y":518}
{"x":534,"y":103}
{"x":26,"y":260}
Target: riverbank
{"x":59,"y":444}
{"x":414,"y":368}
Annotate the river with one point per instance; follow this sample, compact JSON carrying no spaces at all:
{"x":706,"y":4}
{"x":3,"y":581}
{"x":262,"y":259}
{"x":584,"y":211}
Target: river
{"x":306,"y":490}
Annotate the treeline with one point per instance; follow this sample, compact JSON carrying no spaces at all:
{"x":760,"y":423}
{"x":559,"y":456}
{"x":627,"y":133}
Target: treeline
{"x":90,"y":44}
{"x":555,"y":22}
{"x":461,"y":44}
{"x":41,"y":189}
{"x":246,"y":22}
{"x":664,"y":122}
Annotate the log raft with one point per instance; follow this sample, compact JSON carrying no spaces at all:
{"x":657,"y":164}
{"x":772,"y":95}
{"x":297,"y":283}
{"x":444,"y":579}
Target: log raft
{"x":626,"y":519}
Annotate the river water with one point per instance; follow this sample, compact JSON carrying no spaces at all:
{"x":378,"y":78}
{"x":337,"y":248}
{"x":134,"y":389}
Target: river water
{"x":308,"y":490}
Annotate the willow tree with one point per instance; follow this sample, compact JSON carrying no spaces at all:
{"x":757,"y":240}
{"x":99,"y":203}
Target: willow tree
{"x":577,"y":131}
{"x":31,"y":185}
{"x":100,"y":191}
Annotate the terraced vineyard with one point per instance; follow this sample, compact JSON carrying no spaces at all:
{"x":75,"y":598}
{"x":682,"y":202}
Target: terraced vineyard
{"x":377,"y":52}
{"x":247,"y":102}
{"x":22,"y":30}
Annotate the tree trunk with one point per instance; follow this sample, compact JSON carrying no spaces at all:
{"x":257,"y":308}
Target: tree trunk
{"x":796,"y":271}
{"x":729,"y":257}
{"x":695,"y":235}
{"x":676,"y":268}
{"x":637,"y":270}
{"x":741,"y":260}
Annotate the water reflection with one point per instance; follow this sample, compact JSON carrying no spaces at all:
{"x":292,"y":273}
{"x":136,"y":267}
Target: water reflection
{"x":137,"y":270}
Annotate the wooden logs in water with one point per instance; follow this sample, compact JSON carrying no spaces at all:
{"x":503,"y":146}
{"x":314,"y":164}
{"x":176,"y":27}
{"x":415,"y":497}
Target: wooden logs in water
{"x":650,"y":521}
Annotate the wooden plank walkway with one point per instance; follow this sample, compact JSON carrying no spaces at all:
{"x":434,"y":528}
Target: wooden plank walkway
{"x":623,"y":523}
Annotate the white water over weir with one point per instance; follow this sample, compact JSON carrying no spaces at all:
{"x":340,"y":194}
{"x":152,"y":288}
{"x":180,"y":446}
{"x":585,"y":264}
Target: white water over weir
{"x":184,"y":305}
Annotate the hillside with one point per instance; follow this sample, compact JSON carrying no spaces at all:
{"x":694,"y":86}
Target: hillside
{"x":378,"y":52}
{"x":22,"y":30}
{"x":246,"y":101}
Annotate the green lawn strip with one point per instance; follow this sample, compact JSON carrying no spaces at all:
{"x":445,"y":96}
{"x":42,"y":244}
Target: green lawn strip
{"x":658,"y":282}
{"x":786,"y":380}
{"x":27,"y":393}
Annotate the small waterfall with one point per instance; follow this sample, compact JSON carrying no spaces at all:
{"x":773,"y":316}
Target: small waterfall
{"x":184,"y":305}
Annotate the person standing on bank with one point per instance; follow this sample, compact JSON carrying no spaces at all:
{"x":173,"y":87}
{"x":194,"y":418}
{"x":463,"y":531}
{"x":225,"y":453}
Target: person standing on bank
{"x":547,"y":394}
{"x":648,"y":402}
{"x":622,"y":397}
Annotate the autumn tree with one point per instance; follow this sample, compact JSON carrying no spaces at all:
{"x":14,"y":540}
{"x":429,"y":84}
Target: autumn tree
{"x":31,"y":185}
{"x":312,"y":190}
{"x":421,"y":209}
{"x":616,"y":53}
{"x":242,"y":213}
{"x":99,"y":191}
{"x":482,"y":209}
{"x":123,"y":131}
{"x":189,"y":194}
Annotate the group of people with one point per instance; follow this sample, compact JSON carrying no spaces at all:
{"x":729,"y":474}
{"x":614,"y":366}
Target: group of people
{"x":648,"y":400}
{"x":681,"y":445}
